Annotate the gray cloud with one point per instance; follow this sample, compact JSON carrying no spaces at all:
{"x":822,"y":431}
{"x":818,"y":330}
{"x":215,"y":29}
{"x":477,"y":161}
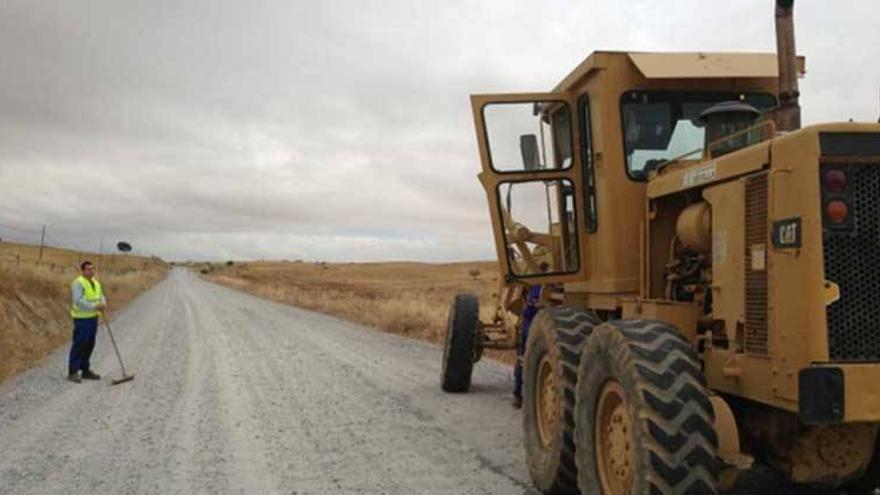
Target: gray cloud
{"x":324,"y":130}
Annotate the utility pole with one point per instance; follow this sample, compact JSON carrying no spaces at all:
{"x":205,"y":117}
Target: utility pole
{"x":100,"y":255}
{"x":42,"y":243}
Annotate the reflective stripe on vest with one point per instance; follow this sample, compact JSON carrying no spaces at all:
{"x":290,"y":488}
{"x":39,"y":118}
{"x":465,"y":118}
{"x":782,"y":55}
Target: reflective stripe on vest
{"x":91,"y":294}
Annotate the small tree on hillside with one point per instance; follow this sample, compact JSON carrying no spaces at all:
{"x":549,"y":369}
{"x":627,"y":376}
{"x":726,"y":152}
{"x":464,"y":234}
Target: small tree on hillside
{"x":123,"y":247}
{"x":474,"y":273}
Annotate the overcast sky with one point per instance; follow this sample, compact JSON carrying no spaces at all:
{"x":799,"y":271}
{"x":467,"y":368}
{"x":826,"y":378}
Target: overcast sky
{"x":325,"y":130}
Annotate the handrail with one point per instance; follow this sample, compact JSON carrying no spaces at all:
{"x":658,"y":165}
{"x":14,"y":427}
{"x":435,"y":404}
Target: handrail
{"x":707,"y":153}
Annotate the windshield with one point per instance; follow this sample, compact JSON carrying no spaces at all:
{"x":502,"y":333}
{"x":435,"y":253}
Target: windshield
{"x":661,"y":125}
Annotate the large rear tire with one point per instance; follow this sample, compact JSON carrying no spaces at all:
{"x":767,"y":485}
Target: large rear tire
{"x":462,"y":346}
{"x":870,"y":481}
{"x":551,"y":360}
{"x":644,"y":418}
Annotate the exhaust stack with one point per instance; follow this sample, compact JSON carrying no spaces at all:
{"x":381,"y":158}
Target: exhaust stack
{"x":788,"y":115}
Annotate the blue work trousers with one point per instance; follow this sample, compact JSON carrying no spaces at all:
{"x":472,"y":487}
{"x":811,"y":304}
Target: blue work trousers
{"x":84,"y":332}
{"x":528,"y":315}
{"x":518,"y":369}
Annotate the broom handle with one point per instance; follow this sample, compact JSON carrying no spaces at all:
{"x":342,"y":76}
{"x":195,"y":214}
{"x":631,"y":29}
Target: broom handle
{"x":113,"y":341}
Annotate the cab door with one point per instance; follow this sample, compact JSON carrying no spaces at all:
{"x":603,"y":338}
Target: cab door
{"x":532,"y":175}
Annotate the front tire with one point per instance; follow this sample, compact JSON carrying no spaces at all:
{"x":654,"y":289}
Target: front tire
{"x":551,"y":360}
{"x":643,"y":415}
{"x":462,"y":346}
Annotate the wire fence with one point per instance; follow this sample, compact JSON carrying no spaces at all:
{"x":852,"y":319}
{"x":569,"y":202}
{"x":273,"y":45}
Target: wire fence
{"x":38,"y":248}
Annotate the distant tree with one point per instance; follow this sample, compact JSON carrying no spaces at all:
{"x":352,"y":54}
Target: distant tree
{"x":230,"y":263}
{"x":123,"y":247}
{"x":474,"y":273}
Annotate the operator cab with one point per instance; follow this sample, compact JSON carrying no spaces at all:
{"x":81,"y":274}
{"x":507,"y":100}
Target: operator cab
{"x":565,"y":172}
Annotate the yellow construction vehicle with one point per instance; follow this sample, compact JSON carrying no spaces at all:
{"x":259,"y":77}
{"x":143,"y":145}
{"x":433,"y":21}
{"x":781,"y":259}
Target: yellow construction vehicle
{"x":707,"y":269}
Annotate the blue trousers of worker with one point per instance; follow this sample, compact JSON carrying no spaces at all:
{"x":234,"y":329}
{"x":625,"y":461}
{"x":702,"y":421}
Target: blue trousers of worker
{"x":520,"y":354}
{"x":528,"y":315}
{"x":84,"y":332}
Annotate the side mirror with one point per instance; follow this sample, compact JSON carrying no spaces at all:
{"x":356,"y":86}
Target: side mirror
{"x":528,"y":147}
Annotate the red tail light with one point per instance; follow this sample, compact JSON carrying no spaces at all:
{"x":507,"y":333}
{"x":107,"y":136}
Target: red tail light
{"x":837,"y":198}
{"x":836,"y":211}
{"x":835,"y":180}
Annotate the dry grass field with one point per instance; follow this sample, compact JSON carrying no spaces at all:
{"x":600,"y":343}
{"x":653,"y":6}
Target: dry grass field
{"x":410,"y":299}
{"x":35,"y":299}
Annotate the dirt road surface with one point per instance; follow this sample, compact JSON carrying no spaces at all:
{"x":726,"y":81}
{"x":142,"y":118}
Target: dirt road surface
{"x":236,"y":394}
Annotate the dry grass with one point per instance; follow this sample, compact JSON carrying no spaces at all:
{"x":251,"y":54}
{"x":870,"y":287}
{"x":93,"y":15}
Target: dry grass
{"x":410,"y":299}
{"x":35,"y":300}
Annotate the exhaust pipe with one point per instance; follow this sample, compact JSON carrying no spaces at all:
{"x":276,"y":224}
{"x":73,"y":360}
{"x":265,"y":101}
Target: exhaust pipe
{"x":788,"y":115}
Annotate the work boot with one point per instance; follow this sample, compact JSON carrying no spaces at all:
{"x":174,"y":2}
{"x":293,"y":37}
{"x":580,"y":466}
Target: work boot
{"x":517,"y":402}
{"x":74,"y":377}
{"x":89,"y":375}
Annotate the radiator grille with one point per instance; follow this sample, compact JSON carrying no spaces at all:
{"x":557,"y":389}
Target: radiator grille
{"x":852,"y":261}
{"x":756,"y":264}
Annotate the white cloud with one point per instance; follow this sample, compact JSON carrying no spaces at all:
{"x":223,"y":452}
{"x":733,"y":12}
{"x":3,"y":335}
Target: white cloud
{"x":325,"y":130}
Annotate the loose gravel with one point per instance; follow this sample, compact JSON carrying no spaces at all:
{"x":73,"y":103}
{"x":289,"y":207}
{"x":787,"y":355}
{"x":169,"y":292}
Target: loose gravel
{"x":236,"y":394}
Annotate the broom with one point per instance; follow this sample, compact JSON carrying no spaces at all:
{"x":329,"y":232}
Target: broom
{"x":125,"y":377}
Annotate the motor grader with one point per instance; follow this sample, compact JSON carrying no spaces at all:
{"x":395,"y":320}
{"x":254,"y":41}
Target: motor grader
{"x":708,"y":274}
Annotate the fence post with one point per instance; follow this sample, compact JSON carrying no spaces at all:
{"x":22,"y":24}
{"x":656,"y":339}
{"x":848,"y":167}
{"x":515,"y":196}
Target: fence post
{"x":42,"y":243}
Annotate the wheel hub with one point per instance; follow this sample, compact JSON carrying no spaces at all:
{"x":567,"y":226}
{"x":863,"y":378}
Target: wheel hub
{"x":613,"y":440}
{"x":547,"y":403}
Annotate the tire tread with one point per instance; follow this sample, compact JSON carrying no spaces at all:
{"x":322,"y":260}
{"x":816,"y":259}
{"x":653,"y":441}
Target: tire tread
{"x":681,"y":434}
{"x":461,"y":344}
{"x":571,"y":328}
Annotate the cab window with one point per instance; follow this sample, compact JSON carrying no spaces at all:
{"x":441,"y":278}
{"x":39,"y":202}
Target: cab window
{"x":661,"y":125}
{"x":539,"y":222}
{"x":528,"y":136}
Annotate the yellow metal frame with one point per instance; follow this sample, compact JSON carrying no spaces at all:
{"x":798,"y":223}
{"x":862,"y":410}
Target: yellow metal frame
{"x":618,"y":260}
{"x":621,"y":271}
{"x":491,"y":179}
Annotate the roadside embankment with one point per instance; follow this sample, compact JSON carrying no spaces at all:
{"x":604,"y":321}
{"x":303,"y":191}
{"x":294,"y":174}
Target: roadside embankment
{"x":35,"y":298}
{"x":405,"y":298}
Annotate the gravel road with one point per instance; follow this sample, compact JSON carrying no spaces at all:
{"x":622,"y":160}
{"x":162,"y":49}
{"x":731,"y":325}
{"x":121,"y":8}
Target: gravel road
{"x":236,"y":394}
